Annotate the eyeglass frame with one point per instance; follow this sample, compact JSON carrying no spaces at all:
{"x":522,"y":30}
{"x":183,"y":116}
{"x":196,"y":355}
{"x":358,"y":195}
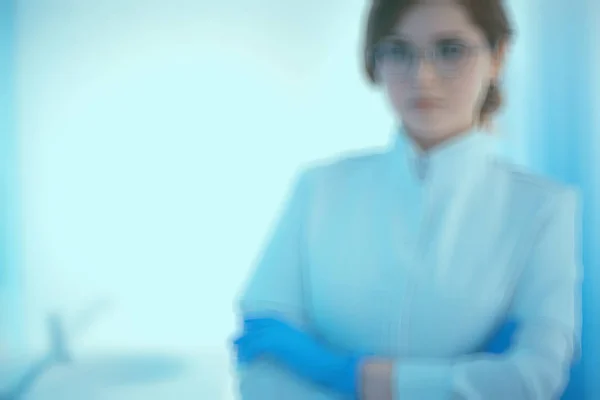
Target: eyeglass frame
{"x":428,"y":54}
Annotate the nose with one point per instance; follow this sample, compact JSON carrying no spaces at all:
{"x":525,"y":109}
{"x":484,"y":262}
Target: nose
{"x":424,"y":72}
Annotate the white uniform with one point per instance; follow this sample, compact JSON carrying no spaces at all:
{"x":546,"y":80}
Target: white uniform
{"x":419,"y":258}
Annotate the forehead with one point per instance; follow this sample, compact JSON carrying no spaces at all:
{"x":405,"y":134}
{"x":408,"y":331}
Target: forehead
{"x":427,"y":20}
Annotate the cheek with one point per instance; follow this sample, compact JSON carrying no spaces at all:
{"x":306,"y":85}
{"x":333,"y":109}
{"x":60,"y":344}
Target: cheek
{"x":397,"y":93}
{"x":467,"y":92}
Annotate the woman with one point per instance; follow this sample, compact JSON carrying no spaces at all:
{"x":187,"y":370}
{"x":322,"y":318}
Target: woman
{"x":389,"y":272}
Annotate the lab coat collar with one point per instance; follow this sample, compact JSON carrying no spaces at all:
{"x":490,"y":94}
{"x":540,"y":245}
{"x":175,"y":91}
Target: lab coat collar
{"x":449,"y":159}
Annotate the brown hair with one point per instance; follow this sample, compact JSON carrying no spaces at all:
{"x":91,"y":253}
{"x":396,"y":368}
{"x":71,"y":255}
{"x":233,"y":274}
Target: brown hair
{"x":489,"y":15}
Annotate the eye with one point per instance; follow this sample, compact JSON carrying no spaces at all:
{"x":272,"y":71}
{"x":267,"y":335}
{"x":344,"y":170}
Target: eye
{"x":396,"y":51}
{"x":451,"y":50}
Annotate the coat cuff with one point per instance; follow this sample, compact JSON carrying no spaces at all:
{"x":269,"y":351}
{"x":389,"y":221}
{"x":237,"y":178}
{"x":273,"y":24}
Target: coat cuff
{"x":418,"y":380}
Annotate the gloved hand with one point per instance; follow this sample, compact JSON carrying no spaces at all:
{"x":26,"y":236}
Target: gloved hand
{"x":500,"y":342}
{"x":302,"y":354}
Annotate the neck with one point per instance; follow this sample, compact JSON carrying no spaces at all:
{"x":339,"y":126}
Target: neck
{"x":426,"y":141}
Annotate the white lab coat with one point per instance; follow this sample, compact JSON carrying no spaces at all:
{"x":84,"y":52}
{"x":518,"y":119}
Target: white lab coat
{"x":419,"y":258}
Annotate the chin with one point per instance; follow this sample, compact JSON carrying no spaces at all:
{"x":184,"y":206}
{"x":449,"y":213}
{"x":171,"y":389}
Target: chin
{"x":428,"y":127}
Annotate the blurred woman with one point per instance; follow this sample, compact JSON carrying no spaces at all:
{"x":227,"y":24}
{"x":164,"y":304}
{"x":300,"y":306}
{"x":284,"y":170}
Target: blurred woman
{"x":389,"y":273}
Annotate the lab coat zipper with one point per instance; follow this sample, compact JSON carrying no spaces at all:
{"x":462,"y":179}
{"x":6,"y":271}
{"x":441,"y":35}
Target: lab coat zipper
{"x":416,"y":257}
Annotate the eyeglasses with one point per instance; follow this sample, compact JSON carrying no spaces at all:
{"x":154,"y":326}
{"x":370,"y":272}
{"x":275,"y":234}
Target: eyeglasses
{"x":449,"y":57}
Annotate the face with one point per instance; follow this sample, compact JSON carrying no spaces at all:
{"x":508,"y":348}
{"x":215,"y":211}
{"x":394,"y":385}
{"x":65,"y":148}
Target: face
{"x":436,"y":66}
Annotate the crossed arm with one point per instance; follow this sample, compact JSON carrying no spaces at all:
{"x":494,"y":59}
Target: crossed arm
{"x":546,"y":304}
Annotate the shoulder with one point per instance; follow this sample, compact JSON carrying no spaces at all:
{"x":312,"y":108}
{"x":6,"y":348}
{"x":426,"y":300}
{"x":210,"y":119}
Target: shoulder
{"x":344,"y":167}
{"x":535,"y":192}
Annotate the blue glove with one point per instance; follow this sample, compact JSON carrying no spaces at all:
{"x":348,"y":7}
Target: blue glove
{"x":500,"y":342}
{"x":299,"y":352}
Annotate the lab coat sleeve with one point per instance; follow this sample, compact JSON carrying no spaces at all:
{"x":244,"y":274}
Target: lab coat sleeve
{"x":275,"y":287}
{"x":546,"y":303}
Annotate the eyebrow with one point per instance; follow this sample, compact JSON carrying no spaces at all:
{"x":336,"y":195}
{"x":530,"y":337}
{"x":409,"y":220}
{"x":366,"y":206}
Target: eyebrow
{"x":438,"y":36}
{"x":451,"y":34}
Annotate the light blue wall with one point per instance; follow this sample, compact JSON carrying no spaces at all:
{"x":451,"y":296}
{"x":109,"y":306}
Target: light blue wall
{"x":553,"y":86}
{"x":135,"y":116}
{"x":10,"y":267}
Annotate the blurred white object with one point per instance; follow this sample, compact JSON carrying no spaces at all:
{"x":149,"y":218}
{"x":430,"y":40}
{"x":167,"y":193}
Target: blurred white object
{"x":147,"y":376}
{"x":112,"y":375}
{"x":21,"y":375}
{"x":96,"y":377}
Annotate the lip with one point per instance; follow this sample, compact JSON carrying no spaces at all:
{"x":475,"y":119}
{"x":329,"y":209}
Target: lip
{"x":426,"y":103}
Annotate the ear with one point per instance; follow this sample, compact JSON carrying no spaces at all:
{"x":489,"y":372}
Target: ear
{"x":498,"y":60}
